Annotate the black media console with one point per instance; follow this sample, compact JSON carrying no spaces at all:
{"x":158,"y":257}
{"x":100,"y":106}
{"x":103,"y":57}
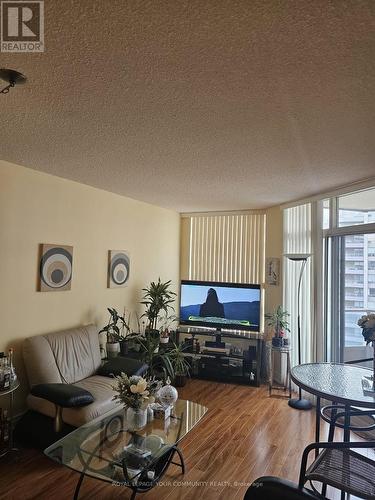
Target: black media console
{"x":228,"y":356}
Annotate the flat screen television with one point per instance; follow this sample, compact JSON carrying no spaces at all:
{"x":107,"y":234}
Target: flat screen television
{"x":232,"y":306}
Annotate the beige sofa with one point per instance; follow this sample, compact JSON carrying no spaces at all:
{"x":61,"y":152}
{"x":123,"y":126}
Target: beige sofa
{"x":68,"y":357}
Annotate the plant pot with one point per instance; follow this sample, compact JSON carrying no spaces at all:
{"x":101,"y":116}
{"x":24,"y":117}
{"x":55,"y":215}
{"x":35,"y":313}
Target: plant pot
{"x":113,"y":349}
{"x":124,"y":347}
{"x":180,"y":380}
{"x":136,"y":418}
{"x":164,"y":340}
{"x":277,"y":341}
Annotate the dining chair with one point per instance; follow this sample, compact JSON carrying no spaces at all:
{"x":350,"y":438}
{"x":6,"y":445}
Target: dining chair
{"x":336,"y":465}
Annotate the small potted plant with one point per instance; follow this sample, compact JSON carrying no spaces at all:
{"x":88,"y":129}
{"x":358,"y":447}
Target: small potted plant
{"x":117,"y":331}
{"x":164,"y":336}
{"x":181,"y":365}
{"x":165,"y":331}
{"x":279,"y":321}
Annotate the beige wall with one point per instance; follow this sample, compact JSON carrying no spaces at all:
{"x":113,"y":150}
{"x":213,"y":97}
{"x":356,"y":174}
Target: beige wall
{"x":274,"y":248}
{"x":39,"y":208}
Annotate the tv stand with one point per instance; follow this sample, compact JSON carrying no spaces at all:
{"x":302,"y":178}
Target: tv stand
{"x":217,"y":361}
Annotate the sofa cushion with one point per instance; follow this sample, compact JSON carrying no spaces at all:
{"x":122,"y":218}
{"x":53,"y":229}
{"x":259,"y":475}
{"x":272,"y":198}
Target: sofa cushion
{"x":101,"y":389}
{"x":66,"y":395}
{"x":62,"y":357}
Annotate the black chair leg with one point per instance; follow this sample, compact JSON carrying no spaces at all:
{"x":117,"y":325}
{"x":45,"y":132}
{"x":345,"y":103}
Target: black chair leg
{"x":331,"y":435}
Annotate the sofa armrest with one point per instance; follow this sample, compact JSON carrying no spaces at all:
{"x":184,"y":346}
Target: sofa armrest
{"x":64,"y":395}
{"x":120,"y":364}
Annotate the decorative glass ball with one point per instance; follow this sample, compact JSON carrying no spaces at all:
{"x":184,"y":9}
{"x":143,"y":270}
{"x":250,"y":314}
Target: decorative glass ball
{"x":167,"y":395}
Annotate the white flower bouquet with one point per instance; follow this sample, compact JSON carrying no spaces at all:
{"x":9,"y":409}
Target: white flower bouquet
{"x":367,"y":323}
{"x":136,"y":392}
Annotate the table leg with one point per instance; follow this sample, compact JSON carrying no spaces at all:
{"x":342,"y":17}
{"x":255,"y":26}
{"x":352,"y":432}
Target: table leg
{"x":271,"y":373}
{"x":11,"y":421}
{"x":182,"y":463}
{"x":317,"y":424}
{"x":347,"y":424}
{"x":288,"y":374}
{"x":332,"y":427}
{"x":78,"y":487}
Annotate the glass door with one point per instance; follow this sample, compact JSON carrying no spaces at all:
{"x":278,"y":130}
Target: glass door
{"x":352,"y":294}
{"x":358,"y":292}
{"x":348,"y":230}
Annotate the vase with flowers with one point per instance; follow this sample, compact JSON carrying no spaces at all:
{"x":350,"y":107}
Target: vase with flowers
{"x":367,"y":323}
{"x":136,"y":393}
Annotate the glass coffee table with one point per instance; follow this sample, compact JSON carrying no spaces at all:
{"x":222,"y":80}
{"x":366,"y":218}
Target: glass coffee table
{"x":107,"y":449}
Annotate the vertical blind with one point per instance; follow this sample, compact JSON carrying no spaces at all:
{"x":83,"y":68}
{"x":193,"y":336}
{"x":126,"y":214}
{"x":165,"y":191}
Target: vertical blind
{"x":298,"y":239}
{"x":228,"y":248}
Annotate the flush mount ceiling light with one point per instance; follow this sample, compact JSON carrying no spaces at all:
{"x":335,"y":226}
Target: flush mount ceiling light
{"x":12,"y":78}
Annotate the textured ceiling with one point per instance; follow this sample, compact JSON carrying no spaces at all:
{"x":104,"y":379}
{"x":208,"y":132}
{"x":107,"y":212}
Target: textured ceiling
{"x":198,"y":104}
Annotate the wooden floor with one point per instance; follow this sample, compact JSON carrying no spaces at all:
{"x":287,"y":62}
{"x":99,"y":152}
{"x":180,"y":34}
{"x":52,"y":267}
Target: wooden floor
{"x":244,"y":435}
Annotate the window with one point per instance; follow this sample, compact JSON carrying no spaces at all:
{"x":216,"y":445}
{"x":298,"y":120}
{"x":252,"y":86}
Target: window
{"x":229,"y":248}
{"x":326,"y":214}
{"x":357,"y":208}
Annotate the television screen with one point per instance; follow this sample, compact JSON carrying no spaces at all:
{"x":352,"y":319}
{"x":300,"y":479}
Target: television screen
{"x":220,"y":305}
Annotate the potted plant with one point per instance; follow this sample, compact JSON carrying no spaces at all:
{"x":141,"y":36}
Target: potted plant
{"x":164,"y":336}
{"x":165,"y":325}
{"x":159,"y":364}
{"x":158,"y":298}
{"x":181,"y":365}
{"x":118,"y":332}
{"x":280,"y":323}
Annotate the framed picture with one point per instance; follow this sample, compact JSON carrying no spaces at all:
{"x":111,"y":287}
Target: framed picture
{"x":118,"y":268}
{"x":273,"y":271}
{"x":55,"y":268}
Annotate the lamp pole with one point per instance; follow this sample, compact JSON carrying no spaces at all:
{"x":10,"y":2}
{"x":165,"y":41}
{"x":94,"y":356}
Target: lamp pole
{"x":300,"y":403}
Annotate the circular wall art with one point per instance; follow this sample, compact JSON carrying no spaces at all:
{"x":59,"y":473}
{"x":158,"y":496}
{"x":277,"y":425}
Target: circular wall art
{"x":55,"y":270}
{"x":118,"y":268}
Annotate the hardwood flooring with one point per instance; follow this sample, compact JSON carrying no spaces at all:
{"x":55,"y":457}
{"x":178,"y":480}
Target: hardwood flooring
{"x":245,"y":434}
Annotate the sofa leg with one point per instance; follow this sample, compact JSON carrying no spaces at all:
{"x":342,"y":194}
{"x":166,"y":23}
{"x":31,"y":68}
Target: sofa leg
{"x":58,"y":419}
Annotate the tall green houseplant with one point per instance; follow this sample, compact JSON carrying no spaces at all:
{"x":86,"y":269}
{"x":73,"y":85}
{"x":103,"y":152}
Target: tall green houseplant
{"x":158,"y":298}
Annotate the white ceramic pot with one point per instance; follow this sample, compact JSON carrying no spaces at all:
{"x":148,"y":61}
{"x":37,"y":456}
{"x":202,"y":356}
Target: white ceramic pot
{"x":164,"y":340}
{"x":113,"y":349}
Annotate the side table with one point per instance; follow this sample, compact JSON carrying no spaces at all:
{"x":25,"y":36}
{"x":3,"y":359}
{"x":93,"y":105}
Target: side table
{"x":283,"y":351}
{"x":13,"y":387}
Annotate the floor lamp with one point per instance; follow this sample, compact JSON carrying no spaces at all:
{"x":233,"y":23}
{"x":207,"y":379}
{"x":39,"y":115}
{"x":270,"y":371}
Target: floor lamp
{"x":300,"y":403}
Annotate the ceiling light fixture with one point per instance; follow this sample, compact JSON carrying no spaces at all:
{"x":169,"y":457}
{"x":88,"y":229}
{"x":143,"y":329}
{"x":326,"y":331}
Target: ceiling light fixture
{"x":12,"y":78}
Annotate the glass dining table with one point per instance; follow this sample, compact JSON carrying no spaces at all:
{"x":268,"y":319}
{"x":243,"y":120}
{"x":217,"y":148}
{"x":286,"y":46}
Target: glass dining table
{"x":336,"y":382}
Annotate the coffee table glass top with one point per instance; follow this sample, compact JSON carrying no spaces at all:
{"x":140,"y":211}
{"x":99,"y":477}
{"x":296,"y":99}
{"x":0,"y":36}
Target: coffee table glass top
{"x":107,"y":449}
